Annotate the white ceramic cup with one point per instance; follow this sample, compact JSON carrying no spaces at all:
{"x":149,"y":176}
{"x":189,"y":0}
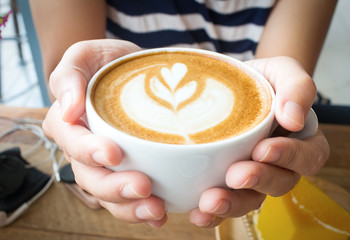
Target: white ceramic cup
{"x":180,"y":173}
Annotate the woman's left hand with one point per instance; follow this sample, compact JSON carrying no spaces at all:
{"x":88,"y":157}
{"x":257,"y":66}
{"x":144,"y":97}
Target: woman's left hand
{"x":277,"y":162}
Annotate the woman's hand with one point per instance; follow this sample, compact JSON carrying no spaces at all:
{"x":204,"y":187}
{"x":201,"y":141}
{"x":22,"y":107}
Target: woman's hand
{"x":127,"y":195}
{"x":277,"y":162}
{"x":275,"y":169}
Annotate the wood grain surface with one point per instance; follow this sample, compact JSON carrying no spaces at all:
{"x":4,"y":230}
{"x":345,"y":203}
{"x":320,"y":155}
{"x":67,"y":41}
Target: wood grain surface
{"x":58,"y":214}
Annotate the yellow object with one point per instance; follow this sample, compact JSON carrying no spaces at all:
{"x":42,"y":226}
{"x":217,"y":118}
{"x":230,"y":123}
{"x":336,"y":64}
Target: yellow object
{"x":303,"y":213}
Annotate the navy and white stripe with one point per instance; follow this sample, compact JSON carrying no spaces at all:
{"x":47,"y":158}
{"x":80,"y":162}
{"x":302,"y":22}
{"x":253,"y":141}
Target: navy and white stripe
{"x":232,"y":27}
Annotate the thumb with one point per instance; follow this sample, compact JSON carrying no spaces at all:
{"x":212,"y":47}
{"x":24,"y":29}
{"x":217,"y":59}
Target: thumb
{"x":79,"y":63}
{"x":295,"y":89}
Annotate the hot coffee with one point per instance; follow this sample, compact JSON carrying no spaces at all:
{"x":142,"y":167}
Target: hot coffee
{"x":180,"y":98}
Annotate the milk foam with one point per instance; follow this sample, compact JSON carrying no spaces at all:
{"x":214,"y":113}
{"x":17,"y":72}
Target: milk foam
{"x":172,"y":78}
{"x":180,"y":98}
{"x":213,"y":106}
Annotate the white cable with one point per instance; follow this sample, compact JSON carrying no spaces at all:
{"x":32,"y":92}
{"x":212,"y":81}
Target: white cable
{"x":28,"y":125}
{"x":31,"y":150}
{"x":22,"y":120}
{"x":49,"y":145}
{"x":9,"y":131}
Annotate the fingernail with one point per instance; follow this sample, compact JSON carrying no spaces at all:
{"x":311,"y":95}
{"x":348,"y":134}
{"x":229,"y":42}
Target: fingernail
{"x":153,"y":224}
{"x":100,"y":158}
{"x":128,"y":191}
{"x":265,"y":155}
{"x":270,"y":156}
{"x":142,"y":212}
{"x":222,"y":208}
{"x":294,"y":112}
{"x":66,"y":100}
{"x":206,"y":223}
{"x":249,"y":183}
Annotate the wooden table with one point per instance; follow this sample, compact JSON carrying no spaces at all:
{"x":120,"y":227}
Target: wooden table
{"x":60,"y":215}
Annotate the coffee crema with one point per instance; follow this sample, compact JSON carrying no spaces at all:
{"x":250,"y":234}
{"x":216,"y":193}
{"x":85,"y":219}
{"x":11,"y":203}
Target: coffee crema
{"x":179,"y":98}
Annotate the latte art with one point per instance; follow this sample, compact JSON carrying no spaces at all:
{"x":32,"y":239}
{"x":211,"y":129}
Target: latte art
{"x":179,"y":98}
{"x":167,"y":89}
{"x":162,"y":104}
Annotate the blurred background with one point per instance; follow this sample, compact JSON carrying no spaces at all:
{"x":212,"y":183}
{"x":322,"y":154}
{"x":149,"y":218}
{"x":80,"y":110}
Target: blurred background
{"x":19,"y":80}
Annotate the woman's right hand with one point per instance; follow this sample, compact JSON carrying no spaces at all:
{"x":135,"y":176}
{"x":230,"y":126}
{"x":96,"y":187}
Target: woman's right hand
{"x":127,"y":195}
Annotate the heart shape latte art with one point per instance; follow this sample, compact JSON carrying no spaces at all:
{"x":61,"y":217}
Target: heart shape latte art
{"x":171,"y":102}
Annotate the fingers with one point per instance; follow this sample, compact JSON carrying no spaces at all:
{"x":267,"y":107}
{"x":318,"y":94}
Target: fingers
{"x":278,"y":163}
{"x":305,"y":157}
{"x":261,"y":177}
{"x":217,"y":204}
{"x":249,"y":182}
{"x":111,"y":186}
{"x":127,"y":195}
{"x":79,"y":63}
{"x":79,"y":143}
{"x":142,"y":211}
{"x":295,"y":90}
{"x":205,"y":220}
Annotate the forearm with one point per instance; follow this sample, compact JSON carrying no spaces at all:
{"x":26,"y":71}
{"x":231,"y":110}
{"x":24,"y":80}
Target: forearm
{"x":297,"y":28}
{"x":61,"y":23}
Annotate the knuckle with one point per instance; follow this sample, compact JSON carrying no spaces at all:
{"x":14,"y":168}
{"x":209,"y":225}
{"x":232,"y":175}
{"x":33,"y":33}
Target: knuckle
{"x":318,"y":162}
{"x":318,"y":157}
{"x":291,"y":159}
{"x":259,"y":201}
{"x":67,"y":156}
{"x":286,"y":184}
{"x":76,"y":47}
{"x":53,"y":79}
{"x":77,"y":177}
{"x":76,"y":50}
{"x":307,"y":83}
{"x":45,"y":128}
{"x":80,"y":183}
{"x":313,"y":88}
{"x":215,"y":221}
{"x":287,"y":61}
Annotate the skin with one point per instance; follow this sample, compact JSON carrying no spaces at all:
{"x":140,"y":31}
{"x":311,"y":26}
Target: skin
{"x":276,"y":163}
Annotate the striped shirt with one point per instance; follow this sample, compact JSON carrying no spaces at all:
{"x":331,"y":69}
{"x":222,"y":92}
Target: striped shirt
{"x":231,"y":27}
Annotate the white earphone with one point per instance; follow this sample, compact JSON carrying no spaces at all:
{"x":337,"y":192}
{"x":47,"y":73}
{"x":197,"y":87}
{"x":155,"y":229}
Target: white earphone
{"x":30,"y":125}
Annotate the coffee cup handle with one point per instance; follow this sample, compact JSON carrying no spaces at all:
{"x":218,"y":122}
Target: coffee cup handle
{"x":309,"y":130}
{"x":310,"y":127}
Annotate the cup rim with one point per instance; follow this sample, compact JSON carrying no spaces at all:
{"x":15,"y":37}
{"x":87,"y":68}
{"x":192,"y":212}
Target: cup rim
{"x":237,"y":63}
